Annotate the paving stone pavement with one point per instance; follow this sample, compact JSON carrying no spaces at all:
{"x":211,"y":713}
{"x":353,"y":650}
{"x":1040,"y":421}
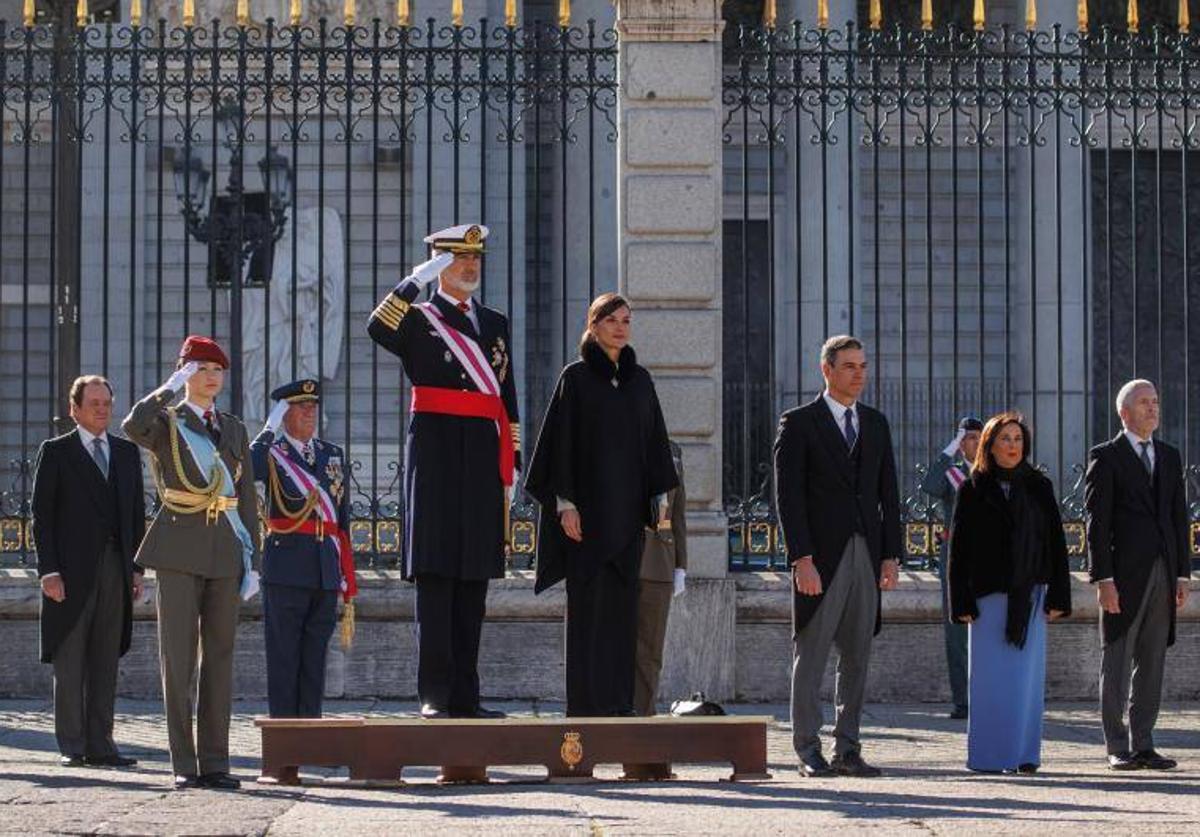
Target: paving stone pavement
{"x":925,"y":789}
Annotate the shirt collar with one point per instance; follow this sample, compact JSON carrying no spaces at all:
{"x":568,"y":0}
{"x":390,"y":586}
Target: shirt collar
{"x":296,"y":443}
{"x":839,"y":409}
{"x":87,"y":437}
{"x":199,"y":411}
{"x":1136,"y":440}
{"x":469,"y":301}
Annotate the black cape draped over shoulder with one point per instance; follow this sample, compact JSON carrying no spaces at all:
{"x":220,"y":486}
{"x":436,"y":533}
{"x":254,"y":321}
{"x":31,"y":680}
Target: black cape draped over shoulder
{"x":604,"y":448}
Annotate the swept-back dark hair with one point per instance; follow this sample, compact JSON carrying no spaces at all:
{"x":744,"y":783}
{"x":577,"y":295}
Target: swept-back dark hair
{"x":985,"y":463}
{"x":600,"y":308}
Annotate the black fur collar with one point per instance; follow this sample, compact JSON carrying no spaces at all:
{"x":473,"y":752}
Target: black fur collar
{"x":599,"y":363}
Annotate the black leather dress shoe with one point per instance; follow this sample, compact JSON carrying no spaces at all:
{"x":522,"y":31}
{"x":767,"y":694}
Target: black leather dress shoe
{"x":1028,"y":769}
{"x":1150,"y":760}
{"x":219,"y":781}
{"x":481,"y":713}
{"x":815,"y":767}
{"x":959,"y":713}
{"x":1123,"y":761}
{"x":851,"y":764}
{"x":115,"y":760}
{"x":183,"y":782}
{"x":432,"y":712}
{"x":71,"y":761}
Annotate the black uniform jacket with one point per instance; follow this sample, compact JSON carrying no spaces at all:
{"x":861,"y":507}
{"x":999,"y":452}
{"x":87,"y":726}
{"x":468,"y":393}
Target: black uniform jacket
{"x":605,"y":449}
{"x":1132,"y":522}
{"x":819,"y":495}
{"x":71,"y":526}
{"x":453,"y":495}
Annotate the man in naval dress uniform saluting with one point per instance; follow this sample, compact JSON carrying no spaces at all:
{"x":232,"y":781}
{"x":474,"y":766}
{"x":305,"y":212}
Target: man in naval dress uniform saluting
{"x":462,"y":451}
{"x":307,"y":560}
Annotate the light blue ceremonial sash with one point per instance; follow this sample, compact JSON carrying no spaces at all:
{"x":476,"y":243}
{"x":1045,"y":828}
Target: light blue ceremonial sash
{"x":204,"y":452}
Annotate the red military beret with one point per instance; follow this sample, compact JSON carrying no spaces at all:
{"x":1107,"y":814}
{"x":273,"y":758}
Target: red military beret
{"x":202,"y":350}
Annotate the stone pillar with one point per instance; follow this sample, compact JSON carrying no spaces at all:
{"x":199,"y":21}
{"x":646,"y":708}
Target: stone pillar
{"x":669,"y":242}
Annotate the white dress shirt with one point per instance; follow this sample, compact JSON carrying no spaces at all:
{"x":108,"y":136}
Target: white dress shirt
{"x":297,"y":445}
{"x":199,"y":411}
{"x":839,"y":411}
{"x":1136,"y":441}
{"x":87,"y":439}
{"x":471,"y":313}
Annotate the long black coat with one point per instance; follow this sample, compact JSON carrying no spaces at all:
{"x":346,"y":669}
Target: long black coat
{"x":818,"y":494}
{"x":605,"y":449}
{"x":453,"y":495}
{"x":70,"y":527}
{"x":1131,"y":522}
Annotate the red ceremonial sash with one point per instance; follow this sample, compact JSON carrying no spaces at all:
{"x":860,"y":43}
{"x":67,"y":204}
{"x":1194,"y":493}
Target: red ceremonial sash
{"x":461,"y":402}
{"x":321,"y":529}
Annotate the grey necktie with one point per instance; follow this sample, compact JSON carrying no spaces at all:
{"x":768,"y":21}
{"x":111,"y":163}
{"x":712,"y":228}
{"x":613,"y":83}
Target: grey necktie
{"x":1146,"y":463}
{"x":99,"y":456}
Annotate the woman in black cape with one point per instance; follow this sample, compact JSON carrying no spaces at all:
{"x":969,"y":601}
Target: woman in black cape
{"x":601,"y":460}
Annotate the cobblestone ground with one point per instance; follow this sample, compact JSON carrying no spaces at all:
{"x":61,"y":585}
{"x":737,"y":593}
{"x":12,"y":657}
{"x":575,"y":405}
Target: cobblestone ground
{"x":925,"y":788}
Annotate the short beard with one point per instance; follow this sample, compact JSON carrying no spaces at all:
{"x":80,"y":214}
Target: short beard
{"x":465,"y":286}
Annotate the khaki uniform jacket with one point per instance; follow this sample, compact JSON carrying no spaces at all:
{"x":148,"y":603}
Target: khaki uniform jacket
{"x":665,"y":551}
{"x":188,"y":543}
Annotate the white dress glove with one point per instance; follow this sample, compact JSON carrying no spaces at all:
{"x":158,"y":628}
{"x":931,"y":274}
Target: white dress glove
{"x":426,"y":272}
{"x":952,"y":448}
{"x":679,"y":582}
{"x":276,"y":417}
{"x":181,"y":375}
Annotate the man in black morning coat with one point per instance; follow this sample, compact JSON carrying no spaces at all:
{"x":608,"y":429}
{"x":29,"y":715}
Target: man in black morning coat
{"x":462,"y":448}
{"x":838,"y":501}
{"x":89,"y":515}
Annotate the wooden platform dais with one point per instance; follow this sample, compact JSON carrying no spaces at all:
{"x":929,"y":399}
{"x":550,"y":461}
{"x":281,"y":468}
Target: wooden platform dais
{"x":378,"y":749}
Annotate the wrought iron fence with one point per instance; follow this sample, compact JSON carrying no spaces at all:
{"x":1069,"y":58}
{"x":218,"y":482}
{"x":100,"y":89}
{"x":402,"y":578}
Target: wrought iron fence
{"x":1004,"y":215}
{"x":267,"y":185}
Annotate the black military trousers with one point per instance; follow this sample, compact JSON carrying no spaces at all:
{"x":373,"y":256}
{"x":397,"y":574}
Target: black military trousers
{"x":601,"y":642}
{"x":297,"y":624}
{"x":449,"y":619}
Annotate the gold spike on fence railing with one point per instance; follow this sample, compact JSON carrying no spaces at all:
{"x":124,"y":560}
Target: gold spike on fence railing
{"x":1081,"y":15}
{"x":30,"y":12}
{"x":349,"y":12}
{"x":875,"y":15}
{"x":927,"y":15}
{"x":823,"y":14}
{"x":1131,"y":17}
{"x":296,"y":12}
{"x":403,"y":13}
{"x":564,"y":13}
{"x":456,"y":13}
{"x":81,"y":13}
{"x":1030,"y":15}
{"x":978,"y":17}
{"x":189,"y":12}
{"x":769,"y":14}
{"x":510,"y":13}
{"x":135,"y":12}
{"x":242,"y":14}
{"x":1185,"y":17}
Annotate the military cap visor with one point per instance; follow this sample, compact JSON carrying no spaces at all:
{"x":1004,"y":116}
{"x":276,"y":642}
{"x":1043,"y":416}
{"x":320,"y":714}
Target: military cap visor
{"x":297,"y":392}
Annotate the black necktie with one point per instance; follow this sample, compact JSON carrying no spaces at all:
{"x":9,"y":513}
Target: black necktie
{"x":1146,"y":463}
{"x":850,"y":433}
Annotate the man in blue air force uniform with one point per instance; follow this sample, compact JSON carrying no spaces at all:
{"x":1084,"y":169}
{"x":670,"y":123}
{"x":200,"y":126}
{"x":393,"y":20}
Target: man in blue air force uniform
{"x":307,"y":559}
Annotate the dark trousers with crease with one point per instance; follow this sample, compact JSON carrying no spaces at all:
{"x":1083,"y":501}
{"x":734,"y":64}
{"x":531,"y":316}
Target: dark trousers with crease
{"x":601,"y":642}
{"x":449,"y":620}
{"x":85,"y":666}
{"x":297,"y":622}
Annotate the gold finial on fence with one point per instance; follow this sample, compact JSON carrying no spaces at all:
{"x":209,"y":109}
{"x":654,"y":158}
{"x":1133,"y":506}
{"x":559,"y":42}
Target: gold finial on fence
{"x":349,"y":12}
{"x":1030,"y":15}
{"x":189,"y":12}
{"x":926,"y":15}
{"x":403,"y":13}
{"x":456,"y":13}
{"x":135,"y":12}
{"x":564,"y":13}
{"x":1081,"y":15}
{"x":510,"y":13}
{"x":875,"y":15}
{"x":1131,"y":17}
{"x":979,"y":20}
{"x":30,"y":11}
{"x":243,"y":12}
{"x":1185,"y":17}
{"x":296,"y":12}
{"x":81,"y":13}
{"x":823,"y":14}
{"x":769,"y":14}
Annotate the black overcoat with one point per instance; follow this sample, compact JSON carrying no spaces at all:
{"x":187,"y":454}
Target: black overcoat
{"x":453,"y":494}
{"x":603,"y":447}
{"x":71,"y":528}
{"x":1132,"y":522}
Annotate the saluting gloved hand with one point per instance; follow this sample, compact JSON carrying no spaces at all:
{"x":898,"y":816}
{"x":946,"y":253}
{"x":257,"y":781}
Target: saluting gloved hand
{"x":427,"y":272}
{"x":276,"y":417}
{"x":952,"y":448}
{"x":679,"y":581}
{"x":181,"y":376}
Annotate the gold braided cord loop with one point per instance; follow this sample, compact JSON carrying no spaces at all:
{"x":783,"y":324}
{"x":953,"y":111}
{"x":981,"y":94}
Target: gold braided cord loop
{"x":298,"y":518}
{"x":347,"y":624}
{"x":216,"y":476}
